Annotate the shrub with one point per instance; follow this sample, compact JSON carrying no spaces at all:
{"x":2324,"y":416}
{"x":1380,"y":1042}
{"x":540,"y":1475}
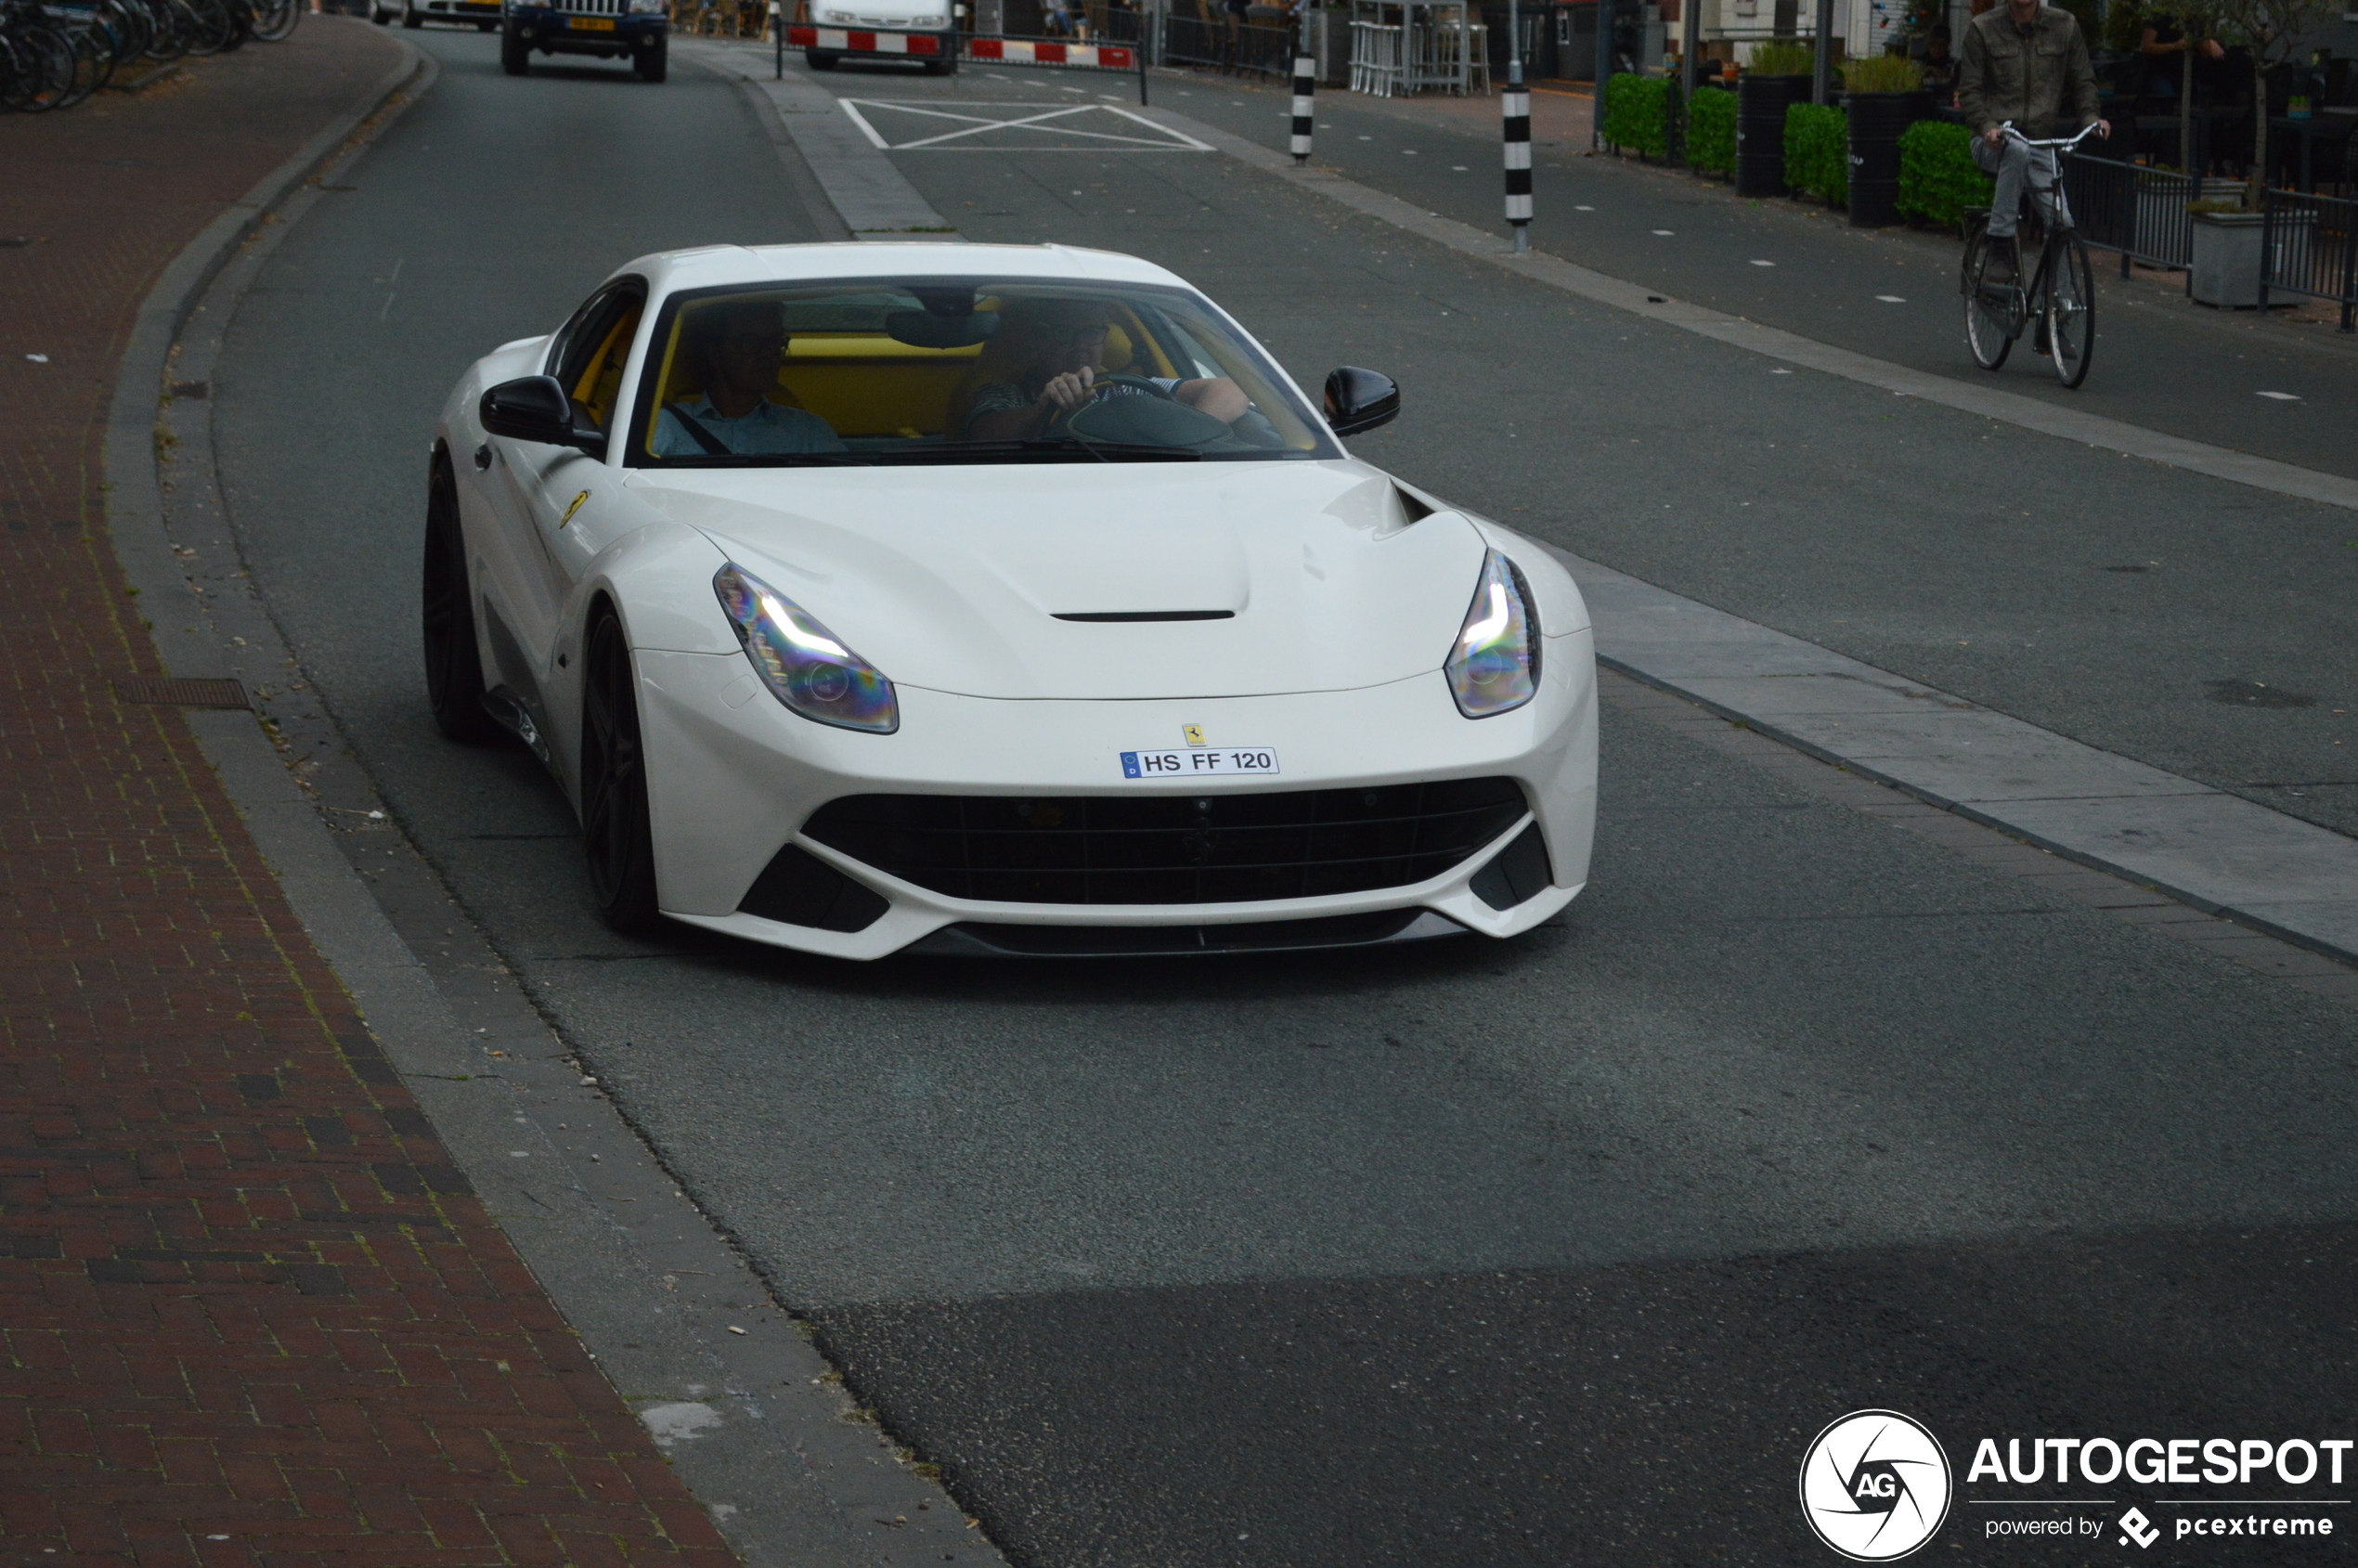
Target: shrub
{"x":1781,"y":59}
{"x":1937,"y":178}
{"x":1638,"y":112}
{"x":1711,"y":131}
{"x":1882,"y":73}
{"x":1818,"y":151}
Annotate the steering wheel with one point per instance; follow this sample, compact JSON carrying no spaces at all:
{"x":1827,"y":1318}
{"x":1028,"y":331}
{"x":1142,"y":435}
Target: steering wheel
{"x":1066,"y":416}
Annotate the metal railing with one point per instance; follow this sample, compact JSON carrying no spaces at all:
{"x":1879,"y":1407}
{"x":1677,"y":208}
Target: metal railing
{"x":2126,"y":207}
{"x":1223,"y":46}
{"x":2309,"y":245}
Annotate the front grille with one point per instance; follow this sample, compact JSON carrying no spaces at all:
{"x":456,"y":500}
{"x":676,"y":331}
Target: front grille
{"x":588,"y":8}
{"x":1170,"y":849}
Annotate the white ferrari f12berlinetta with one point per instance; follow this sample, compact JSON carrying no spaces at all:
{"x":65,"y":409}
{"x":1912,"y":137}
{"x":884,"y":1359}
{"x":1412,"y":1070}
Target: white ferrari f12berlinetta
{"x":995,"y":600}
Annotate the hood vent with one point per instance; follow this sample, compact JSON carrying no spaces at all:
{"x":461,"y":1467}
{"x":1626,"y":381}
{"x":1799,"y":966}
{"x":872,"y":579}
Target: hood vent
{"x":1124,"y":615}
{"x":1415,"y":511}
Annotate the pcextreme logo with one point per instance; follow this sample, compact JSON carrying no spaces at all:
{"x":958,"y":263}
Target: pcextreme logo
{"x":1875,"y":1485}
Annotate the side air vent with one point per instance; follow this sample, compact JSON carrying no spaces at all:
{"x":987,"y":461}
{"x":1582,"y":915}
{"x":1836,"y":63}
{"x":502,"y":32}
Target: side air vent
{"x":1125,"y":615}
{"x":1517,"y":872}
{"x":798,"y":889}
{"x":1411,"y":508}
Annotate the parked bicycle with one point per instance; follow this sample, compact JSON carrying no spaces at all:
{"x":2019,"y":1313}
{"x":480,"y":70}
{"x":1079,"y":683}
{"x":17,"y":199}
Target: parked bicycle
{"x":2059,"y":294}
{"x":55,"y":52}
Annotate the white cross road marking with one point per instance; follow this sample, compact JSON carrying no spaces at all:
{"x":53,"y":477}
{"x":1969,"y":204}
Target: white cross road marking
{"x":1047,"y":122}
{"x":1665,"y":232}
{"x":1764,"y":263}
{"x":2281,"y":396}
{"x":1584,"y":209}
{"x":1891,"y":299}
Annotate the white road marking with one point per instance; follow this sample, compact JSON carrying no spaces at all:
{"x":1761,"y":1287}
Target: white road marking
{"x":1891,"y":299}
{"x":1764,"y":263}
{"x":1054,"y":121}
{"x":2281,"y":396}
{"x":1665,"y":232}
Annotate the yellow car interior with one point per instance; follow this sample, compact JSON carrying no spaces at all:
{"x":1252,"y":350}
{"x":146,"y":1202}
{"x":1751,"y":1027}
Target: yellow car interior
{"x":868,"y":385}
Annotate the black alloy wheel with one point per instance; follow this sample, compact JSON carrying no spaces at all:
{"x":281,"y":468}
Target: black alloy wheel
{"x":454,"y":663}
{"x":654,"y":64}
{"x":614,"y":829}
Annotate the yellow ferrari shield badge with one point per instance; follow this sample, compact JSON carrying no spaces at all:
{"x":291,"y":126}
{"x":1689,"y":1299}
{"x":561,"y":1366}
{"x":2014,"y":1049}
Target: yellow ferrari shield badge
{"x":574,"y":507}
{"x":1194,"y":733}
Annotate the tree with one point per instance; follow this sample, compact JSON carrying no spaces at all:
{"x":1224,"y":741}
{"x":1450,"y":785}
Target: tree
{"x":2199,"y":22}
{"x":2273,"y":30}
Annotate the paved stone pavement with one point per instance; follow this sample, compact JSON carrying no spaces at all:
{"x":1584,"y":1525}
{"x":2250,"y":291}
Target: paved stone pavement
{"x":253,"y":1314}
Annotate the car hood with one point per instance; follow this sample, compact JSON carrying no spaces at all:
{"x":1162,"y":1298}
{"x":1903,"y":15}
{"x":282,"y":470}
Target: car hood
{"x":955,"y":579}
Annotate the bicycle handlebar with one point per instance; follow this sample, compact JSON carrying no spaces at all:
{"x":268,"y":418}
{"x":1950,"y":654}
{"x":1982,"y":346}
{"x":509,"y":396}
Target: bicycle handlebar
{"x":2059,"y":142}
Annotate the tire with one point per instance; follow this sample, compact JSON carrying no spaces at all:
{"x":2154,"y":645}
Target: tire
{"x":411,"y":16}
{"x":454,"y":661}
{"x":486,"y":27}
{"x":379,"y":15}
{"x":274,"y":20}
{"x":617,"y":836}
{"x":941,"y":68}
{"x":653,"y":64}
{"x":515,"y":55}
{"x":2071,"y":309}
{"x":821,"y":59}
{"x":1987,"y":328}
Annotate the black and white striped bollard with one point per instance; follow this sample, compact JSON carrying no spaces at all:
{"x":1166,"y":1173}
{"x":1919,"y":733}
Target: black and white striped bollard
{"x":1516,"y":103}
{"x":1305,"y":78}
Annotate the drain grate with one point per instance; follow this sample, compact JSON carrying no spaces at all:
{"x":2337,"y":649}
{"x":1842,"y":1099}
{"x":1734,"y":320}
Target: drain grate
{"x":181,"y":693}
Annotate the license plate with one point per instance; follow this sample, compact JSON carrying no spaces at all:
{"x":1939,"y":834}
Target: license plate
{"x":591,"y":24}
{"x":1193,"y":762}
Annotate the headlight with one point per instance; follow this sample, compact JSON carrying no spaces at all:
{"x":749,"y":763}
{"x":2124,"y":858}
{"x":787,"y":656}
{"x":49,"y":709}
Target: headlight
{"x":1495,"y":667}
{"x":800,"y":661}
{"x":841,"y":16}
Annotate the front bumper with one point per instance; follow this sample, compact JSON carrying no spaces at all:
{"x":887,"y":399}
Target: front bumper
{"x":733,"y":776}
{"x":458,"y":11}
{"x":562,"y":32}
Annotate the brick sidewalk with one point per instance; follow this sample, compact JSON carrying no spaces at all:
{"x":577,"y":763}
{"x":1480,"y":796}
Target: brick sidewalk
{"x":253,"y":1314}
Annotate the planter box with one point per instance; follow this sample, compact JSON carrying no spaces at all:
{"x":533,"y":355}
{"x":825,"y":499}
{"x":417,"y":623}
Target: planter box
{"x":2228,"y":254}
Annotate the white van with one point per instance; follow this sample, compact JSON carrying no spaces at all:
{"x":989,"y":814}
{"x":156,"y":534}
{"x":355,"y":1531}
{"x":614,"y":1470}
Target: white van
{"x":938,"y":17}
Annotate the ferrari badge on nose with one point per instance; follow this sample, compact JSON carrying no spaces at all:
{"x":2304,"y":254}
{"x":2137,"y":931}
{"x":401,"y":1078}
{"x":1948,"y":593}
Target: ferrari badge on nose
{"x":1194,"y":733}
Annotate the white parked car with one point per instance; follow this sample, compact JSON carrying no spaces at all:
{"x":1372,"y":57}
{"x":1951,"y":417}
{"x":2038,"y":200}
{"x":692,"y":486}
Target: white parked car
{"x":995,"y":598}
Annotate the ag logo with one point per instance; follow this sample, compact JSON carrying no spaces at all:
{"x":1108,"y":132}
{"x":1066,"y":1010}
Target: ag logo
{"x":1874,"y":1486}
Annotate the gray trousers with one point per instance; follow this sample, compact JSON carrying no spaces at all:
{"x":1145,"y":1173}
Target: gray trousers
{"x":2009,"y":163}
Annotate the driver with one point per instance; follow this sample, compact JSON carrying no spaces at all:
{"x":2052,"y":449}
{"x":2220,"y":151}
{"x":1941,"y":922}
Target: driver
{"x":1055,"y":347}
{"x":733,"y":348}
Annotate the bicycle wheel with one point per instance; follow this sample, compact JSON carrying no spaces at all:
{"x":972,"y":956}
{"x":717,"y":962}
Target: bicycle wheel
{"x":1989,"y":320}
{"x":211,"y":26}
{"x":274,"y":19}
{"x":2071,"y":309}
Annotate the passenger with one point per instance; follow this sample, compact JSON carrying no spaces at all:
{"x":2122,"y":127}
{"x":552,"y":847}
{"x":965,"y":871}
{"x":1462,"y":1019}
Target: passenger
{"x":1047,"y":353}
{"x":733,"y":350}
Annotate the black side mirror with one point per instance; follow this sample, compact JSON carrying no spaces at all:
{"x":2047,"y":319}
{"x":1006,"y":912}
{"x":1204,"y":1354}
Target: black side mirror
{"x":535,"y":408}
{"x":1358,"y":400}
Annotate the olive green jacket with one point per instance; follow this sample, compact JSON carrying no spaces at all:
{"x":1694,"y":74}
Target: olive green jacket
{"x":2004,"y":74}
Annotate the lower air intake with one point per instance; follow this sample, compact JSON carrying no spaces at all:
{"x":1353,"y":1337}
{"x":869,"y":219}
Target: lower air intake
{"x":1171,"y":848}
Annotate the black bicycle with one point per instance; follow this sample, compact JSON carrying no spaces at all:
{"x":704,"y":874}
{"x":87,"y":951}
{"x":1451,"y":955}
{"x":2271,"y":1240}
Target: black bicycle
{"x":2059,"y":294}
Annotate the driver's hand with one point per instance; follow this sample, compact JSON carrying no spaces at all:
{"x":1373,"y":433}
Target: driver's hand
{"x":1066,"y":392}
{"x":1995,"y":134}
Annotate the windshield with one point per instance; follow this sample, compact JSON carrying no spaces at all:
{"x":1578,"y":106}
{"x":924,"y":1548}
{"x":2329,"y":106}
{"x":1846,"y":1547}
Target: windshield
{"x":871,"y":371}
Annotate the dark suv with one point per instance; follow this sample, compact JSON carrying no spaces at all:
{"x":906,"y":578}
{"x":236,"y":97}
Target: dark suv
{"x":633,"y":30}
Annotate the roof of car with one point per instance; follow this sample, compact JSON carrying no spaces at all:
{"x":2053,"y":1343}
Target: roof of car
{"x":718,"y":265}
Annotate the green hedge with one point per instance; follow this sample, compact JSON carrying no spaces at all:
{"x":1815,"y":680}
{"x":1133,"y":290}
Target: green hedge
{"x":1711,"y":132}
{"x":1637,"y":113}
{"x":1818,"y":151}
{"x":1937,"y":178}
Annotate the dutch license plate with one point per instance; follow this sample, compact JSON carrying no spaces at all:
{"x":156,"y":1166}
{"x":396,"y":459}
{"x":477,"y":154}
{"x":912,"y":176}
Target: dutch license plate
{"x":591,"y":24}
{"x":1192,"y":763}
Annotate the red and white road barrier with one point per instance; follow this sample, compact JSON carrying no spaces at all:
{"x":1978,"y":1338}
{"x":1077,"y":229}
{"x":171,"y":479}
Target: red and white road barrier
{"x":1030,"y":51}
{"x":855,"y":41}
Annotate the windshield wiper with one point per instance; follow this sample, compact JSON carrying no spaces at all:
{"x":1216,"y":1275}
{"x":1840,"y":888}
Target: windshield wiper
{"x":1016,"y":451}
{"x":770,"y":459}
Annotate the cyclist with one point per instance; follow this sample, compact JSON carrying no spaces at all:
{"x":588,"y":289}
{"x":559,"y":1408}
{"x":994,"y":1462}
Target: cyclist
{"x":2022,"y":61}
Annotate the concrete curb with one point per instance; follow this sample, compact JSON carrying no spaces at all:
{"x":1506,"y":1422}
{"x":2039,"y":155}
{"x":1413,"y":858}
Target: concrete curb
{"x":757,"y":1423}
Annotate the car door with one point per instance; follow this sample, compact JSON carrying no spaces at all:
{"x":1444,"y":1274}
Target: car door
{"x":554,"y":500}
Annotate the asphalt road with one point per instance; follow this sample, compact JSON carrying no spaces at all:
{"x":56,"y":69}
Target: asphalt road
{"x":1554,"y":1250}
